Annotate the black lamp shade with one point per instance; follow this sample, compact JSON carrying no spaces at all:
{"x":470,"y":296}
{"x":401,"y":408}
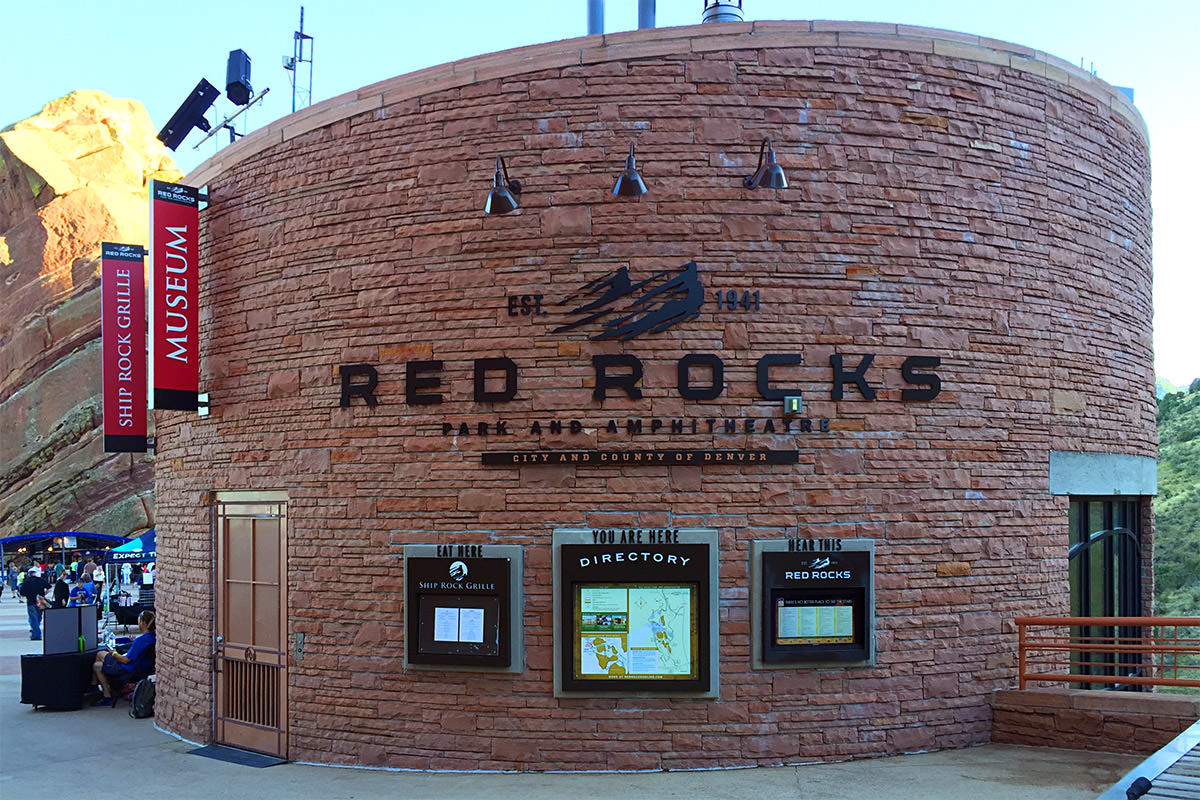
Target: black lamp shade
{"x":629,"y":182}
{"x":502,"y":198}
{"x":769,"y":173}
{"x":774,"y":179}
{"x":500,"y":201}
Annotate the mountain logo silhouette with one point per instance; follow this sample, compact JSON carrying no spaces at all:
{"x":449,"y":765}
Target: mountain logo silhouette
{"x":625,"y":309}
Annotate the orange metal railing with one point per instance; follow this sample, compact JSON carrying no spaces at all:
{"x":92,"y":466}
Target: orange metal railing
{"x":1143,"y":651}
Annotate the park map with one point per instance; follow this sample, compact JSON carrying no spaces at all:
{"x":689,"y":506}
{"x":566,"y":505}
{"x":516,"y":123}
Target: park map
{"x":636,"y":631}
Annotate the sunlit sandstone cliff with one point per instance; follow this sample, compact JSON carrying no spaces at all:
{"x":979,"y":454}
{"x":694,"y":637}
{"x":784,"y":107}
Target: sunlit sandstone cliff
{"x":72,"y":176}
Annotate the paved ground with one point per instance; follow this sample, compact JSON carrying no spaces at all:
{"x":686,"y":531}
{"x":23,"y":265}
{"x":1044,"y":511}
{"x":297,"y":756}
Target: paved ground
{"x":117,"y":753}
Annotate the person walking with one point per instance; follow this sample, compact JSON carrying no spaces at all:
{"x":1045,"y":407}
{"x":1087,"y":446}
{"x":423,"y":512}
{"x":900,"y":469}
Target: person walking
{"x":62,"y":590}
{"x":34,"y":589}
{"x":98,"y":578}
{"x":126,"y":572}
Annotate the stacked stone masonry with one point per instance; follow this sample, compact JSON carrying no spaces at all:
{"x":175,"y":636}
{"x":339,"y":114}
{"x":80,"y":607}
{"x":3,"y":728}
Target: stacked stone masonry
{"x":949,"y":196}
{"x":1114,"y":722}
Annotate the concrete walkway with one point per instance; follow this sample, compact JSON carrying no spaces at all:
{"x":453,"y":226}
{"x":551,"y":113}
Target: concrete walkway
{"x":118,"y":753}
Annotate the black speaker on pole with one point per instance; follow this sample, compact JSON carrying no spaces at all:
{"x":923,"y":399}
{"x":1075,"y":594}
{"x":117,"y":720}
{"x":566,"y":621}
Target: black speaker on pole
{"x":237,"y":78}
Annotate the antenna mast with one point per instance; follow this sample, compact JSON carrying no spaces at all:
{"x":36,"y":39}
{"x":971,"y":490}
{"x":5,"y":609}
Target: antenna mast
{"x":297,"y":58}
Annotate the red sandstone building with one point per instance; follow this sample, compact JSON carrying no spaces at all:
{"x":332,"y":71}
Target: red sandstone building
{"x":711,"y":476}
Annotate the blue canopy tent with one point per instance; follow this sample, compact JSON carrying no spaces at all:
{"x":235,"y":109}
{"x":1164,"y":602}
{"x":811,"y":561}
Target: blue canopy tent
{"x":134,"y":551}
{"x":53,"y":545}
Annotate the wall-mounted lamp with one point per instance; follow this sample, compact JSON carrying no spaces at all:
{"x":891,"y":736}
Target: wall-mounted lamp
{"x":503,"y":197}
{"x":629,"y":182}
{"x":769,"y":173}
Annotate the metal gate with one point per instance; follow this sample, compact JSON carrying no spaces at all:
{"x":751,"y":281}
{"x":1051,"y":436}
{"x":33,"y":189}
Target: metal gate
{"x":250,"y":633}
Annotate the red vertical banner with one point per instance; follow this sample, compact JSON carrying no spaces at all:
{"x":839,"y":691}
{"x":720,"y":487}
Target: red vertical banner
{"x":123,"y":345}
{"x":174,"y":340}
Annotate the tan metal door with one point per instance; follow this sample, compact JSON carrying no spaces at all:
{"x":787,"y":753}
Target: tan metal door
{"x":250,"y":653}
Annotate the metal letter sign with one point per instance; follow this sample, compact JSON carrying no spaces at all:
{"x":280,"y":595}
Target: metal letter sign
{"x":626,"y":309}
{"x":123,"y":336}
{"x":174,"y":345}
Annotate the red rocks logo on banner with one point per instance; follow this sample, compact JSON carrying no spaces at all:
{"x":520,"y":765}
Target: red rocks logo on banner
{"x":123,"y":335}
{"x":174,"y":345}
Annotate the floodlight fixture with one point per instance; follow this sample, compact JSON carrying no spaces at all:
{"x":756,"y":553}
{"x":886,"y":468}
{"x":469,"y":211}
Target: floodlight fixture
{"x":769,"y":173}
{"x":502,"y":198}
{"x":629,"y":182}
{"x":190,"y":114}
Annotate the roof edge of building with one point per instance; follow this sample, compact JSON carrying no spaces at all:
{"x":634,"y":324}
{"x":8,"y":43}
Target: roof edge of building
{"x":656,"y":42}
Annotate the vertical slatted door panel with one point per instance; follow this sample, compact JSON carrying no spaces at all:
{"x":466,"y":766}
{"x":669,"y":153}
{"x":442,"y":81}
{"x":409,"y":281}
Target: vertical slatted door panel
{"x":250,"y":660}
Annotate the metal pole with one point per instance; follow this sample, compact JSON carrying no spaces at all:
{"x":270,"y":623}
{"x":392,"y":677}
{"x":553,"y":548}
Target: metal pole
{"x":1020,"y":655}
{"x":297,"y":54}
{"x":221,"y":125}
{"x":595,"y":10}
{"x":645,"y":13}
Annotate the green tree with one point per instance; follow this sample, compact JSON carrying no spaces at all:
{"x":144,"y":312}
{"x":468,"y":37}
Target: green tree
{"x":1177,"y":507}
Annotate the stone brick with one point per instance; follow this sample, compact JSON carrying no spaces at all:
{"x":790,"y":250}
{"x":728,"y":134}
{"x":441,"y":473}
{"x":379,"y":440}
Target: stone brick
{"x":744,"y":227}
{"x":718,"y":131}
{"x":710,"y":71}
{"x":557,"y":88}
{"x":480,"y":500}
{"x":909,"y":740}
{"x":1065,"y":402}
{"x":258,"y":319}
{"x":569,"y":221}
{"x":283,"y":384}
{"x":778,"y":746}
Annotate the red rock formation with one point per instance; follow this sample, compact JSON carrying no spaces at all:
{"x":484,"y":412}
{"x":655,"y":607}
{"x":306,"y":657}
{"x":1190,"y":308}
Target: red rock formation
{"x":70,"y":177}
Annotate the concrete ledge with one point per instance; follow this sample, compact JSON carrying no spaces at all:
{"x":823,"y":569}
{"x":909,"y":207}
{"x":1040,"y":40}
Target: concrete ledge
{"x":1102,"y":474}
{"x":1081,"y":719}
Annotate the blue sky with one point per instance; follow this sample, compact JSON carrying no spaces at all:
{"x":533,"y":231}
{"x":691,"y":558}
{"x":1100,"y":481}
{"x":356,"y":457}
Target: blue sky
{"x":155,"y":52}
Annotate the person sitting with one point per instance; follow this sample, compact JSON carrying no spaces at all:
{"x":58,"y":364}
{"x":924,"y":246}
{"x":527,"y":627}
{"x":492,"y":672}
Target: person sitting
{"x":112,"y":666}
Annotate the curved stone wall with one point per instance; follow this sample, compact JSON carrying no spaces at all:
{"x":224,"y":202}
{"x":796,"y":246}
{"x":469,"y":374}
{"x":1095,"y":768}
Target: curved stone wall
{"x":950,"y":197}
